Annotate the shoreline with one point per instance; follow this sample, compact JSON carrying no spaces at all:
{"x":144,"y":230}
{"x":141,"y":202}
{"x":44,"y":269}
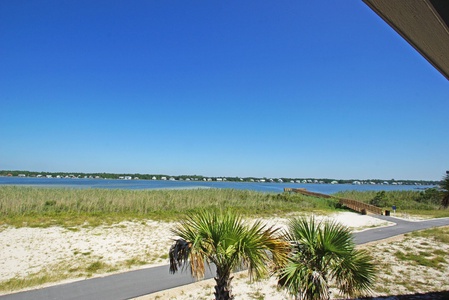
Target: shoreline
{"x":148,"y":184}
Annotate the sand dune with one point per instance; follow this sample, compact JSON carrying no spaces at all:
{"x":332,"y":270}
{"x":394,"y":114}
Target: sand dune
{"x":123,"y":246}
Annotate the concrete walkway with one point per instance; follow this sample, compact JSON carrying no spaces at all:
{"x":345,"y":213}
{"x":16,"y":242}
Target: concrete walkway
{"x":402,"y":226}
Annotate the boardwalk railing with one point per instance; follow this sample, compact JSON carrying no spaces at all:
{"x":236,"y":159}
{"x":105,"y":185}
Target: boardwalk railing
{"x":360,"y":206}
{"x":349,"y":203}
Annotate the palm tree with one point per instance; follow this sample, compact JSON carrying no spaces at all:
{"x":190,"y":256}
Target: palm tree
{"x":323,"y":251}
{"x":445,"y":187}
{"x":222,"y":238}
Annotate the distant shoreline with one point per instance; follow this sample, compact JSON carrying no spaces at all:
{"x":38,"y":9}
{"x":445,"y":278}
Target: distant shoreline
{"x":201,"y":178}
{"x":142,"y":184}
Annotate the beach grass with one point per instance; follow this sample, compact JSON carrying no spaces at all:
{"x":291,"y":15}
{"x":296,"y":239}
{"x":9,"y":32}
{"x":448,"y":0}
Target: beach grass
{"x":416,"y":263}
{"x":425,"y":204}
{"x":42,"y":207}
{"x":57,"y":273}
{"x":440,"y":235}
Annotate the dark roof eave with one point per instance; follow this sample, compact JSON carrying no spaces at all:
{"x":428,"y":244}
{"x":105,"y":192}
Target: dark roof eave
{"x":421,"y":25}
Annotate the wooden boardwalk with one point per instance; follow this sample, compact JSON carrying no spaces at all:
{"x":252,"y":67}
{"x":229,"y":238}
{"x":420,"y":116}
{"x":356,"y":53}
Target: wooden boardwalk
{"x":358,"y":206}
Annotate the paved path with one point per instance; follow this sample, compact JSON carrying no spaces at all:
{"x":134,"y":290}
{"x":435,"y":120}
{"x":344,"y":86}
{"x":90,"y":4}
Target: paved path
{"x":142,"y":282}
{"x":119,"y":286}
{"x":401,"y":227}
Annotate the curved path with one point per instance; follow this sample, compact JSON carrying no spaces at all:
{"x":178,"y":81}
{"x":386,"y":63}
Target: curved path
{"x":401,"y":227}
{"x":146,"y":281}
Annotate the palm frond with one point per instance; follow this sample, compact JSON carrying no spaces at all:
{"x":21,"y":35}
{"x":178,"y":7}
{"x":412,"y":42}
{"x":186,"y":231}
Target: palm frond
{"x":303,"y":282}
{"x":355,"y":274}
{"x":179,"y":254}
{"x":224,"y":239}
{"x":336,"y":239}
{"x":321,"y":251}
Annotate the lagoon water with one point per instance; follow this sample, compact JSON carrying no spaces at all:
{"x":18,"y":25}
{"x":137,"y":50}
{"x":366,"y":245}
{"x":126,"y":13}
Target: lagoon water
{"x":167,"y":184}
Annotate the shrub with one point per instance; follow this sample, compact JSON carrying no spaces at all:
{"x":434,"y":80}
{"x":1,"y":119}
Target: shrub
{"x":379,"y":200}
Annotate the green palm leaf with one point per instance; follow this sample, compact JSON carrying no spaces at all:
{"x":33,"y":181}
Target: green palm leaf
{"x":224,"y":239}
{"x":322,"y":251}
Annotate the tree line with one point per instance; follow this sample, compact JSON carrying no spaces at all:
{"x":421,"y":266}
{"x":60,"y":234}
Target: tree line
{"x":105,"y":175}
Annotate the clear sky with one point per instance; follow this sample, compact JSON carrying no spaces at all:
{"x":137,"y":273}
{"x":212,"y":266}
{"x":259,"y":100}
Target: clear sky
{"x":290,"y":88}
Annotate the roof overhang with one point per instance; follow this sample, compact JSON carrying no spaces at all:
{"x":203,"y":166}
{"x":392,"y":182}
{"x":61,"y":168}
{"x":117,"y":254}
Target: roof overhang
{"x":424,"y":24}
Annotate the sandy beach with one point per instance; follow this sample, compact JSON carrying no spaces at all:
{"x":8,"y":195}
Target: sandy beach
{"x":82,"y":252}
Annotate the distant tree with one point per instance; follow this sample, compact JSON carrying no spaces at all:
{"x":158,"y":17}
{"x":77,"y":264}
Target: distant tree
{"x":430,"y":196}
{"x":445,"y":187}
{"x":380,"y":199}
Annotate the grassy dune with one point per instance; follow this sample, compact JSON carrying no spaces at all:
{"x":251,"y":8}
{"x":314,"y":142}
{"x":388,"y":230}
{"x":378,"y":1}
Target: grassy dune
{"x":29,"y":206}
{"x":32,"y":206}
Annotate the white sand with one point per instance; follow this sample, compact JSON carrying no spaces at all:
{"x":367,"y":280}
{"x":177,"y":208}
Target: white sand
{"x":354,"y":221}
{"x":26,"y":251}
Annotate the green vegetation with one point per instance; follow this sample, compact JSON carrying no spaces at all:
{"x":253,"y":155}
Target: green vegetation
{"x":55,"y":273}
{"x":41,"y":207}
{"x":85,"y":266}
{"x":135,"y":262}
{"x":201,"y":177}
{"x":426,"y":259}
{"x":379,"y":200}
{"x":15,"y":284}
{"x":425,"y":203}
{"x":445,"y":191}
{"x":324,"y":251}
{"x":416,"y":263}
{"x":95,"y":267}
{"x":224,"y":239}
{"x":440,"y":235}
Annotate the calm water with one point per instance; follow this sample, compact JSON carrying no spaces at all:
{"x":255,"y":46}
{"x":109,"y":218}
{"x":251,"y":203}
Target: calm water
{"x":162,"y":184}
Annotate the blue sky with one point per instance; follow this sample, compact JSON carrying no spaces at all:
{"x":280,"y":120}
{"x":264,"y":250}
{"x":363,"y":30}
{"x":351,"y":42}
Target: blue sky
{"x":320,"y":89}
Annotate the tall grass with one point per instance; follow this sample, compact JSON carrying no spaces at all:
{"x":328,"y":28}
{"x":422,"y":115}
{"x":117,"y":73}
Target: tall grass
{"x":32,"y":206}
{"x":410,"y":201}
{"x":48,"y":206}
